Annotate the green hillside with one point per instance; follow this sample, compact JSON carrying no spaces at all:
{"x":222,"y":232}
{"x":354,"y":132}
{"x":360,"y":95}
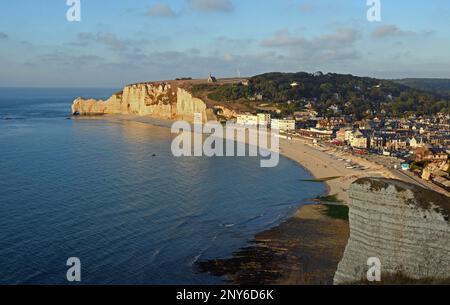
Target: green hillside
{"x":332,"y":94}
{"x":436,"y":85}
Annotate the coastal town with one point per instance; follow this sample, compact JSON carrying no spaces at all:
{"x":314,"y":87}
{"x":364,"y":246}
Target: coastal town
{"x":417,"y":147}
{"x":225,"y":151}
{"x":358,"y":121}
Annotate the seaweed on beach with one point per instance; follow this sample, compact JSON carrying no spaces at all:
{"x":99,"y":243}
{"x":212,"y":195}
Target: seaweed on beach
{"x":337,"y":211}
{"x":253,"y":265}
{"x":329,"y":199}
{"x":302,"y":250}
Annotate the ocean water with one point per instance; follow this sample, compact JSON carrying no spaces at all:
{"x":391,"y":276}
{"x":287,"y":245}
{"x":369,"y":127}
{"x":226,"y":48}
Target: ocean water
{"x":92,"y":189}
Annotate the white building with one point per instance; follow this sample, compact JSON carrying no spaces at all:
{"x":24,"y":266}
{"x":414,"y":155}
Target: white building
{"x":357,"y":140}
{"x":247,"y":120}
{"x":212,"y":79}
{"x":283,"y":125}
{"x":414,"y":143}
{"x":264,"y":119}
{"x":261,"y":119}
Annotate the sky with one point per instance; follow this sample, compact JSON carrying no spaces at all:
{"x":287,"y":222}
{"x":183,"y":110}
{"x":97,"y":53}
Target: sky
{"x":122,"y":42}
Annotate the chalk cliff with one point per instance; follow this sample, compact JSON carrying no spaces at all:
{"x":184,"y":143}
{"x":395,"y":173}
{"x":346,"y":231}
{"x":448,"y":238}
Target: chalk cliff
{"x":163,"y":100}
{"x":405,"y":226}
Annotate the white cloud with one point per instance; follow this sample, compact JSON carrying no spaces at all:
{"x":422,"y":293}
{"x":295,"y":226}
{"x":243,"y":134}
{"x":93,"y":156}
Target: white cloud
{"x":103,"y":38}
{"x":326,"y":48}
{"x":283,"y":38}
{"x":111,"y":40}
{"x":387,"y":30}
{"x":307,"y":7}
{"x":212,"y":5}
{"x":161,"y":10}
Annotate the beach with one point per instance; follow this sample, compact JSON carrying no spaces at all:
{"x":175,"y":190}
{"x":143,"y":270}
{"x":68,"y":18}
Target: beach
{"x":303,"y":250}
{"x":327,"y":168}
{"x":330,"y":166}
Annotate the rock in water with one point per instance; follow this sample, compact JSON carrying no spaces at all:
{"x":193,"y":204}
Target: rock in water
{"x":405,"y":226}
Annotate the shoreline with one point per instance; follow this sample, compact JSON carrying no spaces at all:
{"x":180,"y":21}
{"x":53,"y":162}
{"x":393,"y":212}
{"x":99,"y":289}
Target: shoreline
{"x":328,"y":170}
{"x":306,"y":247}
{"x":331,"y":163}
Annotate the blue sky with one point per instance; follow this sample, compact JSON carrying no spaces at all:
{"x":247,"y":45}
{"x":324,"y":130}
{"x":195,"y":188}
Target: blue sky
{"x":120,"y":42}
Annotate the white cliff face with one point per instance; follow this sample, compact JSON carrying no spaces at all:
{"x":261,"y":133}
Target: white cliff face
{"x":403,"y":225}
{"x":146,"y":99}
{"x":159,"y":100}
{"x":187,"y":106}
{"x":89,"y":107}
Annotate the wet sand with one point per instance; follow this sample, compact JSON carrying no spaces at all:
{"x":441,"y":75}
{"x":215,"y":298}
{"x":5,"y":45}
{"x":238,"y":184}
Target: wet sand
{"x":304,"y":250}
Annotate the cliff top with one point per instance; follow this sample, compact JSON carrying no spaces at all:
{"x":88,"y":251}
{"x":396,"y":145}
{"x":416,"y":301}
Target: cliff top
{"x":186,"y":83}
{"x":423,"y":198}
{"x":190,"y":84}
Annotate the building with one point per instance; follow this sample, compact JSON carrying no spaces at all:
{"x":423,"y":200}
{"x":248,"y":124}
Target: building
{"x":264,"y":119}
{"x":283,"y":125}
{"x":257,"y":97}
{"x":335,"y":109}
{"x":377,"y":142}
{"x":314,"y":133}
{"x":358,"y":140}
{"x":247,"y":120}
{"x":331,"y":123}
{"x":212,"y":79}
{"x":348,"y":135}
{"x":430,"y":154}
{"x":396,"y":144}
{"x":342,"y":134}
{"x":414,"y":143}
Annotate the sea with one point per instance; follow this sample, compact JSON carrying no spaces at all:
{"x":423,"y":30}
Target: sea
{"x":110,"y":193}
